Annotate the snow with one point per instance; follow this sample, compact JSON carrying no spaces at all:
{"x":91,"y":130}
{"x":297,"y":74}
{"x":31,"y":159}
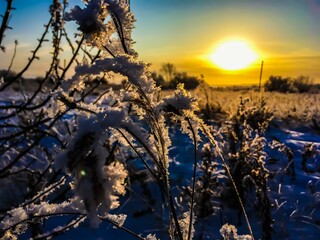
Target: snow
{"x":296,"y":198}
{"x":296,"y":210}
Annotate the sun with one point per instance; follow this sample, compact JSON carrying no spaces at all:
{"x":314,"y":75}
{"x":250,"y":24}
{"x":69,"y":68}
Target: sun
{"x":233,"y":55}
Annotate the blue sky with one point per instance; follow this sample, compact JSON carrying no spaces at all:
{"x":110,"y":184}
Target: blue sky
{"x":286,"y":33}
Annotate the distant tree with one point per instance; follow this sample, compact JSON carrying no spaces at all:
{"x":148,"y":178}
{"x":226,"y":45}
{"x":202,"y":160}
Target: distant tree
{"x":173,"y":78}
{"x":7,"y":75}
{"x":169,"y":70}
{"x":278,"y":84}
{"x":190,"y":82}
{"x":300,"y":84}
{"x":159,"y":79}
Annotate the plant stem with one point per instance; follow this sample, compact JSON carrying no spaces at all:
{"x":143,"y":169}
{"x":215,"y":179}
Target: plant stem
{"x":215,"y":144}
{"x":193,"y":178}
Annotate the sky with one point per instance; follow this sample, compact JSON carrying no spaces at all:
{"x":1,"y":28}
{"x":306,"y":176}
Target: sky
{"x":285,"y":34}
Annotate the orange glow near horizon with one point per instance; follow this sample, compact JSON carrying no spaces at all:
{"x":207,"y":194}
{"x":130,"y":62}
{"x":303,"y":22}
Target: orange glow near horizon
{"x":233,"y":55}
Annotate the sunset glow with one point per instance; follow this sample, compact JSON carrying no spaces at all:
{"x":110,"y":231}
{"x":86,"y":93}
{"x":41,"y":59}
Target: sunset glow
{"x":233,"y":55}
{"x":284,"y":34}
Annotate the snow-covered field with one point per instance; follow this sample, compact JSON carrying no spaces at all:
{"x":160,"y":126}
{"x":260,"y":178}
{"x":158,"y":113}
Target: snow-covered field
{"x":295,"y":197}
{"x":296,"y":200}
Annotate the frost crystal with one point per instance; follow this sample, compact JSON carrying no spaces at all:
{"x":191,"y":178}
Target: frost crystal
{"x":96,"y":184}
{"x":184,"y":224}
{"x":151,"y":237}
{"x":124,"y":65}
{"x":17,"y":218}
{"x":180,"y":102}
{"x":119,"y":219}
{"x":229,"y":232}
{"x":90,"y":19}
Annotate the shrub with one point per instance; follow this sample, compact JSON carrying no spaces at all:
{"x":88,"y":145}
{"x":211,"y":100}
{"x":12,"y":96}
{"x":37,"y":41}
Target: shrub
{"x":190,"y":82}
{"x":302,"y":84}
{"x":278,"y":84}
{"x":299,"y":84}
{"x":246,"y":156}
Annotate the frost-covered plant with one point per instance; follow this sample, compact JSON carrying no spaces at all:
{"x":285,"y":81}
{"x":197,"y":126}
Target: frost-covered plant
{"x":184,"y":222}
{"x":310,"y":151}
{"x":246,"y":156}
{"x":230,"y":232}
{"x":62,"y":136}
{"x":208,"y":183}
{"x":256,"y":115}
{"x":285,"y":150}
{"x":95,"y":182}
{"x":74,"y":143}
{"x":82,"y":162}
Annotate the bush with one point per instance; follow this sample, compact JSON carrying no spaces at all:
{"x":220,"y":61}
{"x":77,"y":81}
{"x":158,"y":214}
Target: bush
{"x":174,"y":78}
{"x":300,"y":84}
{"x":6,"y":75}
{"x":277,"y":84}
{"x":159,"y":79}
{"x":190,"y":82}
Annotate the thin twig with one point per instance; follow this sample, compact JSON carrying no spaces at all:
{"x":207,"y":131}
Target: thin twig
{"x":72,"y":59}
{"x":138,"y":155}
{"x":119,"y":28}
{"x":5,"y":20}
{"x":193,"y":178}
{"x":13,"y":57}
{"x":61,"y":230}
{"x":33,"y":57}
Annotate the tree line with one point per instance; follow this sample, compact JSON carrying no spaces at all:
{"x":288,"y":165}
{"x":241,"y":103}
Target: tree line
{"x":169,"y":78}
{"x":300,"y":84}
